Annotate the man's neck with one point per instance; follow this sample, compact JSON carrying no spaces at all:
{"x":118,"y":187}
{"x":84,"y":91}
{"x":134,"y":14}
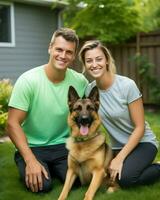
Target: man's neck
{"x":55,"y":76}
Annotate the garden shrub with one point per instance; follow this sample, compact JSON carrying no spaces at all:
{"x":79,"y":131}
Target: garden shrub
{"x":3,"y":120}
{"x":146,"y":77}
{"x":5,"y":92}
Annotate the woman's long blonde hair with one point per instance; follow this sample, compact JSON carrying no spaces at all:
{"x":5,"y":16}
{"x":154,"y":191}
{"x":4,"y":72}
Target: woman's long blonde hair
{"x":88,"y":45}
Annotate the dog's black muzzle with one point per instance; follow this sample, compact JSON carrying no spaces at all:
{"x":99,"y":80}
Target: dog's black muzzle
{"x":84,"y":120}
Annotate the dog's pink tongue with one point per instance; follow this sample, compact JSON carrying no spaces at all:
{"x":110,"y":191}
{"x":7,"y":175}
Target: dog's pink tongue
{"x":84,"y":130}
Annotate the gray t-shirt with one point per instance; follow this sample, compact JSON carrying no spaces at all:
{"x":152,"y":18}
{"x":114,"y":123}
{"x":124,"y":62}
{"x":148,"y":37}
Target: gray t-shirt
{"x":114,"y":111}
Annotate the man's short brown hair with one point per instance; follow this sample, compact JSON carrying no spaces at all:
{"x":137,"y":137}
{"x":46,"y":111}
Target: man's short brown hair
{"x":68,"y":34}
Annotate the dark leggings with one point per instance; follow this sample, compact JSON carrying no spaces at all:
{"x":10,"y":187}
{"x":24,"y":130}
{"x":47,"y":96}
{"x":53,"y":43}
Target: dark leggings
{"x":53,"y":158}
{"x":138,"y":168}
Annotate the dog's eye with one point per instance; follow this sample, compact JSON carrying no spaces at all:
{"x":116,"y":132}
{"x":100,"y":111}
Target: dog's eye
{"x":90,"y":108}
{"x":78,"y":108}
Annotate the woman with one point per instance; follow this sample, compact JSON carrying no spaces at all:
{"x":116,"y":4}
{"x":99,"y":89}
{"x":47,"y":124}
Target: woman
{"x":121,"y":109}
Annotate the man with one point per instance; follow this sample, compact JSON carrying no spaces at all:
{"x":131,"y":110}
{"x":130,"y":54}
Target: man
{"x":37,"y":120}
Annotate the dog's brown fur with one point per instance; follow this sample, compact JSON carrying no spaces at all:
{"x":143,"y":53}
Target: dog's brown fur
{"x":89,"y":156}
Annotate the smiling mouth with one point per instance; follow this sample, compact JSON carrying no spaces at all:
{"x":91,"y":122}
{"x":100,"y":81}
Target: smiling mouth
{"x":95,"y":70}
{"x":61,"y":63}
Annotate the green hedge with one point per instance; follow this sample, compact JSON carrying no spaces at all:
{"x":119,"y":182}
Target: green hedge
{"x":5,"y":92}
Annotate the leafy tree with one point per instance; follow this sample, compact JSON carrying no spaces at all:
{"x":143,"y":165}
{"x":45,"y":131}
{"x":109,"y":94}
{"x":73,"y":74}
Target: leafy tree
{"x":110,"y":20}
{"x":151,"y":14}
{"x":106,"y":20}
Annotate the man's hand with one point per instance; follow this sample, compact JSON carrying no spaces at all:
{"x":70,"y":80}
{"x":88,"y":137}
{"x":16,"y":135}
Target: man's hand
{"x":34,"y":174}
{"x":34,"y":171}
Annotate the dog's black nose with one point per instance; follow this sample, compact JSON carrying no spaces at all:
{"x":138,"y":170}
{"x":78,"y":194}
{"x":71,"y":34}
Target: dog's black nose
{"x":84,"y":120}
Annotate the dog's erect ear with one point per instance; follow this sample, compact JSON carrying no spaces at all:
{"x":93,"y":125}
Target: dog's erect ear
{"x":72,"y":96}
{"x":94,"y":96}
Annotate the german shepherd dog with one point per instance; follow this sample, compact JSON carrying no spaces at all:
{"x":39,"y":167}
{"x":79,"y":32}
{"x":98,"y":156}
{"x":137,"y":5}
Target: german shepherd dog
{"x":89,"y":155}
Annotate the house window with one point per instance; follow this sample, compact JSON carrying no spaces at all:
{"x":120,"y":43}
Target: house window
{"x":7,"y":30}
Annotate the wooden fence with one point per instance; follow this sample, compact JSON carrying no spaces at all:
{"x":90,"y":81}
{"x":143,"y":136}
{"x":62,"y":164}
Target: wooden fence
{"x":147,"y":45}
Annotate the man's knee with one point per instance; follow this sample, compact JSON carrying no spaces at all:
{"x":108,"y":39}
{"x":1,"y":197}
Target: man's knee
{"x":47,"y":185}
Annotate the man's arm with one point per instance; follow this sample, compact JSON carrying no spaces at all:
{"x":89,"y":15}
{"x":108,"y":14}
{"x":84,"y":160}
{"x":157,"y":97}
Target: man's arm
{"x":34,"y":169}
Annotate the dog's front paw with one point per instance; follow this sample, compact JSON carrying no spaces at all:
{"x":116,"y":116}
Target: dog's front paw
{"x":61,"y":198}
{"x":88,"y":197}
{"x":110,"y":190}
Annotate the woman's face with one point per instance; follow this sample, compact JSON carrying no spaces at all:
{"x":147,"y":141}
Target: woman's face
{"x":95,"y":62}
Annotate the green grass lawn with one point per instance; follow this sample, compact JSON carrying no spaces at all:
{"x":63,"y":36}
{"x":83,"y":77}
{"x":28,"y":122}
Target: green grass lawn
{"x":12,"y":189}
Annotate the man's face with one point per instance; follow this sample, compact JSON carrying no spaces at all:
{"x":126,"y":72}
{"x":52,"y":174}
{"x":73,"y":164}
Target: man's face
{"x":62,"y":53}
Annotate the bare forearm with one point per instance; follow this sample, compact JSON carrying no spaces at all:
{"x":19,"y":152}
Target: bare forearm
{"x":117,"y":163}
{"x":137,"y":115}
{"x":133,"y":141}
{"x":33,"y":170}
{"x":19,"y":139}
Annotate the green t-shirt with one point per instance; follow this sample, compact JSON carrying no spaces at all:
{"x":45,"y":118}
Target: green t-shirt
{"x":45,"y":104}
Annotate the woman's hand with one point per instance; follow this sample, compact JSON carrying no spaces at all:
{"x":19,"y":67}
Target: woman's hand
{"x":115,"y":168}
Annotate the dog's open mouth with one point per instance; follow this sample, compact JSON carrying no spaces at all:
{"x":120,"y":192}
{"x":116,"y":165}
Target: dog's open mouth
{"x":84,"y":129}
{"x":84,"y":124}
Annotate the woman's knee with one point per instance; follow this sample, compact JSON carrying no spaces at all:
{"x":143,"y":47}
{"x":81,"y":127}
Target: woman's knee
{"x":127,"y":181}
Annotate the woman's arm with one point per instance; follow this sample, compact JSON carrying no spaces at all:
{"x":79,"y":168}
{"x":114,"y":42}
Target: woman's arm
{"x":137,"y":115}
